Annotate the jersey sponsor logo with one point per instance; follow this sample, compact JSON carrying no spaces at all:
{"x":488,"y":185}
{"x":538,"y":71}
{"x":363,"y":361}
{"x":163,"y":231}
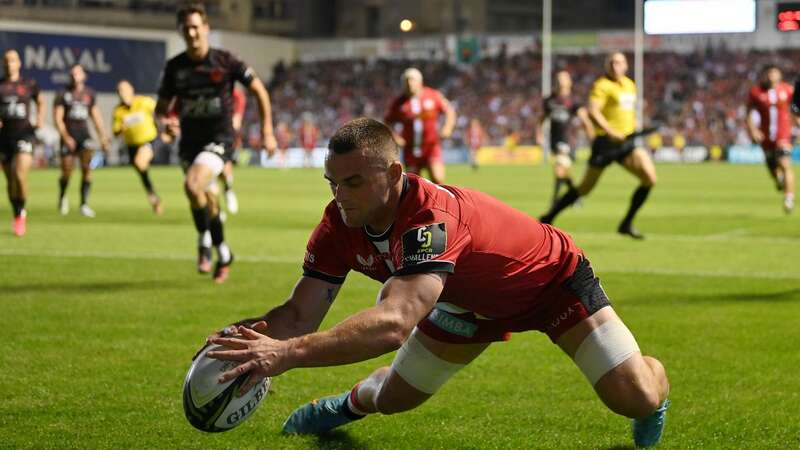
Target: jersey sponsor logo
{"x":424,"y":243}
{"x":366,"y":262}
{"x":452,"y":324}
{"x":216,"y":75}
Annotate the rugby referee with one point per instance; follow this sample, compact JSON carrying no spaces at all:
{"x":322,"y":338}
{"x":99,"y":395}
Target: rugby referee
{"x":612,"y":110}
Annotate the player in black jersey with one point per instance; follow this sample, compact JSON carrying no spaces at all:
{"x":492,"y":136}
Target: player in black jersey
{"x":560,"y":108}
{"x":201,"y":81}
{"x":72,"y":110}
{"x":17,"y":133}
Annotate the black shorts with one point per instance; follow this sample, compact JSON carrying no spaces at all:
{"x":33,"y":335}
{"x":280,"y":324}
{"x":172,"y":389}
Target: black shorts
{"x":134,"y":149}
{"x":12,"y":144}
{"x":82,"y":143}
{"x":605,"y":151}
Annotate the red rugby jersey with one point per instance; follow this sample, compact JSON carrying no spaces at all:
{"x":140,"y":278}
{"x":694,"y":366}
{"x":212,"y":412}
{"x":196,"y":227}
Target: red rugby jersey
{"x":498,"y":259}
{"x":773,"y":106}
{"x":419,"y":116}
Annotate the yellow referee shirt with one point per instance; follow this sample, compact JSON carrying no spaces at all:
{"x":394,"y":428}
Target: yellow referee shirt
{"x":136,"y":122}
{"x":617,"y":100}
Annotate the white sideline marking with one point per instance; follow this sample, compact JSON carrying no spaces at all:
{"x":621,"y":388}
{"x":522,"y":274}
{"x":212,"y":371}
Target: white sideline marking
{"x":736,"y":235}
{"x":137,"y":256}
{"x":299,"y":260}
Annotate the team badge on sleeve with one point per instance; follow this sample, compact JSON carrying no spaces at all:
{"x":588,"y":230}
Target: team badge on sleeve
{"x":424,"y":244}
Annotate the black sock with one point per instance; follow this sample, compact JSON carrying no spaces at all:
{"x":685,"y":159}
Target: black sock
{"x":560,"y":204}
{"x":637,"y":200}
{"x":85,"y":187}
{"x":148,"y":185}
{"x":568,"y":182}
{"x":18,"y":204}
{"x":556,"y":189}
{"x":62,"y":187}
{"x":201,"y":219}
{"x":217,"y":233}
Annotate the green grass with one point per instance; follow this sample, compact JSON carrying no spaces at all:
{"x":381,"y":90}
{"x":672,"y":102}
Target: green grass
{"x":99,"y":318}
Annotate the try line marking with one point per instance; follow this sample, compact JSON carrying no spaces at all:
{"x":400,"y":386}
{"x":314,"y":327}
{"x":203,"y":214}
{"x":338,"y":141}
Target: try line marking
{"x":299,"y":261}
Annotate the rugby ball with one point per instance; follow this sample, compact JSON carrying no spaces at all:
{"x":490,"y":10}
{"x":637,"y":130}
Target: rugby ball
{"x":212,"y":407}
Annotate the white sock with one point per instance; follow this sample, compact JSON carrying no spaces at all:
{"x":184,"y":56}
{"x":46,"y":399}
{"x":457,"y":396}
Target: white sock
{"x":224,"y":253}
{"x":353,"y":407}
{"x":204,"y":240}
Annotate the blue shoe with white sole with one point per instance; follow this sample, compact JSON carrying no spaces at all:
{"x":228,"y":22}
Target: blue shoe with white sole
{"x":647,"y":432}
{"x":320,"y":416}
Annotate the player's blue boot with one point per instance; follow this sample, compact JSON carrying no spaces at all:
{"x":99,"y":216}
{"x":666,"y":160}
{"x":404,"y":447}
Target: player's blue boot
{"x":320,"y":416}
{"x":647,"y":431}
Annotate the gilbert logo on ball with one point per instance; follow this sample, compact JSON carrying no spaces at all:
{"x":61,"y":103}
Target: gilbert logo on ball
{"x":212,"y":407}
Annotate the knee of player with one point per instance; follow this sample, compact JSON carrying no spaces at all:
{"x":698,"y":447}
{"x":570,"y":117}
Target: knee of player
{"x":636,"y":401}
{"x":650,"y":180}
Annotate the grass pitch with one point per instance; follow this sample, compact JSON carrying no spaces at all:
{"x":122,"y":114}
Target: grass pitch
{"x":100,"y":317}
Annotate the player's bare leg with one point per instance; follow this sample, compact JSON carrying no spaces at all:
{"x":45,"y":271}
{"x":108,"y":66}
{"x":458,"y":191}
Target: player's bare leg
{"x":785,"y":167}
{"x":562,"y":171}
{"x":67,"y":164}
{"x":86,"y":181}
{"x":641,"y":166}
{"x":387,"y":391}
{"x":20,"y":166}
{"x":198,"y":178}
{"x":590,"y":179}
{"x":437,"y":171}
{"x":636,"y":388}
{"x":217,"y":234}
{"x":226,"y":177}
{"x":141,"y":163}
{"x":772,"y":167}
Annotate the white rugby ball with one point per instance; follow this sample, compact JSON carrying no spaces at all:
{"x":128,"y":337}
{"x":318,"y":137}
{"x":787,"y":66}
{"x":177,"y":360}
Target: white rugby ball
{"x":211,"y":406}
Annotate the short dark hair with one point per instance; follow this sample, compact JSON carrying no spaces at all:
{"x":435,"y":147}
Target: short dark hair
{"x":768,"y":67}
{"x":369,"y":135}
{"x":188,"y":10}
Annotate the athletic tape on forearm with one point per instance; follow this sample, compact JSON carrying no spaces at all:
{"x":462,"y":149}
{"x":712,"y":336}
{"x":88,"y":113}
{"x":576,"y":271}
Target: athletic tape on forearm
{"x":606,"y":347}
{"x":422,"y":369}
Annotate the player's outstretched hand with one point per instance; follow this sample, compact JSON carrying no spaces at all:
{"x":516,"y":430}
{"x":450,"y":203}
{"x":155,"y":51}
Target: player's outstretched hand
{"x":257,"y":353}
{"x":232,"y":329}
{"x":270,"y":144}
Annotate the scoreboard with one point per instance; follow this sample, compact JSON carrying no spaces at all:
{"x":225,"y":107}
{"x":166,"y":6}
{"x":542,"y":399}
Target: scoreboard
{"x":788,"y":16}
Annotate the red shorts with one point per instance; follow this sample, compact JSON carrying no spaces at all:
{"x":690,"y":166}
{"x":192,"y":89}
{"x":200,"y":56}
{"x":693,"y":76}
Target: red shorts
{"x":424,"y":158}
{"x":560,"y":307}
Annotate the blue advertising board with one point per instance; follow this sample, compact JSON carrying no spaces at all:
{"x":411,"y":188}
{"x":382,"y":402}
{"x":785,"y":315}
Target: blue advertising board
{"x":48,"y":57}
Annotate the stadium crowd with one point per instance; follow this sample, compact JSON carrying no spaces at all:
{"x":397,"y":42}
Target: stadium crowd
{"x":699,"y":97}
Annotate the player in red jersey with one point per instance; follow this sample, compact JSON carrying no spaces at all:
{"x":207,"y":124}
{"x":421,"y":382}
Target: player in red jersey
{"x":460,"y":270}
{"x":771,"y":98}
{"x":308,"y":134}
{"x":476,"y":138}
{"x":17,"y":134}
{"x":417,"y":110}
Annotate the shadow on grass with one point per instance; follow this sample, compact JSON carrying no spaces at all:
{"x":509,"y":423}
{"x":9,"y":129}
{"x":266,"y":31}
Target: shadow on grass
{"x":91,"y":287}
{"x":621,"y":447}
{"x":332,"y":440}
{"x":785,"y":295}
